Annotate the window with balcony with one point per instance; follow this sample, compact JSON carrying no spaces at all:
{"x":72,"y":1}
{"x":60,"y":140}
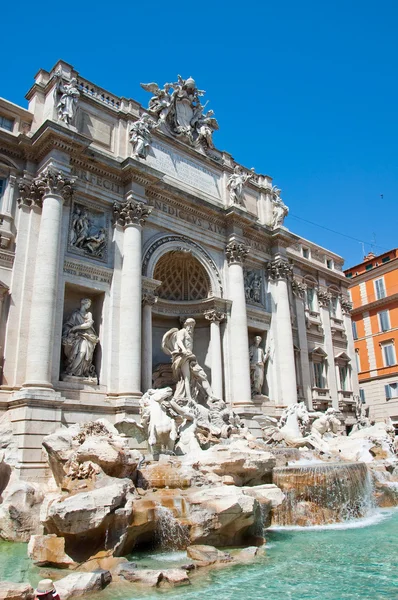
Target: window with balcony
{"x":384,"y":320}
{"x":388,"y":351}
{"x":380,"y":290}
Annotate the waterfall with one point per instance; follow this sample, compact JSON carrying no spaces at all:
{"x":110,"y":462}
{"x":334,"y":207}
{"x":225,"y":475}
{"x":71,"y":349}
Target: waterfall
{"x":170,"y":533}
{"x":323,"y":493}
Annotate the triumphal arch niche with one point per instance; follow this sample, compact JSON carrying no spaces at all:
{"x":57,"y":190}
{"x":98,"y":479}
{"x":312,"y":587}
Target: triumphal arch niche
{"x":120,"y":223}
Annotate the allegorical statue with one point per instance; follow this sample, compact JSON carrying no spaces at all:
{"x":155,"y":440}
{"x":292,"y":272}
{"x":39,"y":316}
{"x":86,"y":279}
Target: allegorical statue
{"x":279,"y":208}
{"x":79,"y":340}
{"x":180,"y":113}
{"x":67,"y":105}
{"x":192,"y":382}
{"x":86,"y":236}
{"x":235,"y":185}
{"x":141,"y":137}
{"x":258,"y":360}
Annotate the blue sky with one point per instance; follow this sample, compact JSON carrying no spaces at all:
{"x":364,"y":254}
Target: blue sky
{"x":303,"y":91}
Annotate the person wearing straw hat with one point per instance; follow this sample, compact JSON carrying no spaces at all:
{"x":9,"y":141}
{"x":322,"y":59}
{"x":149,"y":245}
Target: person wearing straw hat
{"x":46,"y":590}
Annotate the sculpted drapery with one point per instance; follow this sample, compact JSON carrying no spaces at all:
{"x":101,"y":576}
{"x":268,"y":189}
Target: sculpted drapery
{"x":79,"y":340}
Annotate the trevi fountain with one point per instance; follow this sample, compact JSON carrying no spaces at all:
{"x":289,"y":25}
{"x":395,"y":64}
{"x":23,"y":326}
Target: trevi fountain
{"x":179,"y":403}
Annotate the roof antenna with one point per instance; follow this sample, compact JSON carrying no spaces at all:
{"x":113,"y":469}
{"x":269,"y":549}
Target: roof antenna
{"x":363,"y":250}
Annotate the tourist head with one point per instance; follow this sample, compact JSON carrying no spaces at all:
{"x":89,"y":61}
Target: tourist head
{"x":45,"y":589}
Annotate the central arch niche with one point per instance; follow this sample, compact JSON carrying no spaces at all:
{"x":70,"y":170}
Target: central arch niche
{"x":183,"y":277}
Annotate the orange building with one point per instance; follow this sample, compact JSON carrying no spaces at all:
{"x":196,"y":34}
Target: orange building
{"x":374,"y":296}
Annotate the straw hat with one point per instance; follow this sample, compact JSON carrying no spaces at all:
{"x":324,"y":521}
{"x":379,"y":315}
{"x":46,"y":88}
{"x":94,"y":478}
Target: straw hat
{"x":45,"y":586}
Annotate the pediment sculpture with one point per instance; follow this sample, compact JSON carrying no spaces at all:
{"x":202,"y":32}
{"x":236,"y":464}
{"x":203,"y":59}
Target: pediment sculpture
{"x":180,"y":113}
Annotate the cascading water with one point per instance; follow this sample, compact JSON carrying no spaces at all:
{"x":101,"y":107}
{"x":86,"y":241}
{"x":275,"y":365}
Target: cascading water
{"x":323,"y":493}
{"x":170,"y":533}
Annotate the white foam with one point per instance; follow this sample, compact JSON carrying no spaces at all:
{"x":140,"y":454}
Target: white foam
{"x":168,"y":556}
{"x":373,"y":519}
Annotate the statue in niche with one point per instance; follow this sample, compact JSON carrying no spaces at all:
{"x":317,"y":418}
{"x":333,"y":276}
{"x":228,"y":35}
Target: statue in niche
{"x":141,"y":137}
{"x":279,"y":208}
{"x":235,"y":185}
{"x":253,"y":283}
{"x":85,"y":235}
{"x":67,"y":105}
{"x":180,"y":112}
{"x":79,"y":340}
{"x":258,"y":360}
{"x":192,"y":382}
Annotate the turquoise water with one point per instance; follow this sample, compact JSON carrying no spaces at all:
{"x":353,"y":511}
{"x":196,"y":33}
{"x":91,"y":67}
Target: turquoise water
{"x":340,"y":562}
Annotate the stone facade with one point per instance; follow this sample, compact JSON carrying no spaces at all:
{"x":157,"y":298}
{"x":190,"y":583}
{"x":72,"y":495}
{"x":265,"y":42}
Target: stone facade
{"x":119,"y":222}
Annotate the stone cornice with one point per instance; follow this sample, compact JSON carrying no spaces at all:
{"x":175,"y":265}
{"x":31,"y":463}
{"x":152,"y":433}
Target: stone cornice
{"x":195,"y":309}
{"x":52,"y":135}
{"x":130,"y":213}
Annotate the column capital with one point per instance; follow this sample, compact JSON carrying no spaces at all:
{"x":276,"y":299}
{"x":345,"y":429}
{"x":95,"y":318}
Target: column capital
{"x":49,"y":181}
{"x":299,"y":288}
{"x":236,"y":252}
{"x":148,"y":298}
{"x":130,"y":212}
{"x":214,"y":316}
{"x":346,"y":306}
{"x":279,"y":269}
{"x":324,"y":298}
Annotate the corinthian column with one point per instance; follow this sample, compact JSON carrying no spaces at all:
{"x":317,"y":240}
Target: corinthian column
{"x":239,"y":350}
{"x":131,"y":216}
{"x":279,"y":271}
{"x":148,"y":300}
{"x":215,"y":319}
{"x":50,"y":190}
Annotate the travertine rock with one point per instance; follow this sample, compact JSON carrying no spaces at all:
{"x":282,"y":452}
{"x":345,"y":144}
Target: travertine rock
{"x":16,"y":591}
{"x":148,"y":577}
{"x":79,"y":584}
{"x":114,"y":458}
{"x":249,"y":553}
{"x":207,"y":555}
{"x":20,"y":511}
{"x":49,"y":550}
{"x":86,"y":511}
{"x":174,"y":578}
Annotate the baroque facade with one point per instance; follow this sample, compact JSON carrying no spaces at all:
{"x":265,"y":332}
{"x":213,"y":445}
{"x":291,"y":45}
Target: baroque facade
{"x":119,"y":222}
{"x":373,"y":286}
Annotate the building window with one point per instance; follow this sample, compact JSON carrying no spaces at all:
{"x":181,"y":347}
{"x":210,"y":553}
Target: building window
{"x":354,"y":330}
{"x":2,"y":187}
{"x":329,"y":263}
{"x":385,"y":259}
{"x":344,"y":377}
{"x":384,"y":320}
{"x":6,"y":123}
{"x":306,"y":252}
{"x":357,"y":361}
{"x":369,"y":267}
{"x":362,"y":395}
{"x":319,"y":375}
{"x":388,"y":354}
{"x":380,"y":289}
{"x":334,"y":303}
{"x":348,"y":275}
{"x":310,"y":294}
{"x":391,"y":390}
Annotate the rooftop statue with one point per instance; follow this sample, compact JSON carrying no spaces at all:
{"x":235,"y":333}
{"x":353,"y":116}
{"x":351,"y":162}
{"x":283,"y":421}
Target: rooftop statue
{"x":279,"y":208}
{"x":235,"y":185}
{"x":179,"y":110}
{"x":69,"y":98}
{"x":141,"y":136}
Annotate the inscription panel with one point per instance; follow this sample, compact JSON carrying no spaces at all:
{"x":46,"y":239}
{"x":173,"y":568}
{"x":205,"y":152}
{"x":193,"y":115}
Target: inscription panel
{"x":184,"y":169}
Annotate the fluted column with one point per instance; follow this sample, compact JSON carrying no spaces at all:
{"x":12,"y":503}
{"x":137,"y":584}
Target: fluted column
{"x":148,"y":300}
{"x":131,"y":215}
{"x":299,"y":289}
{"x":215,"y":319}
{"x":50,"y":190}
{"x":239,"y":350}
{"x":279,"y":271}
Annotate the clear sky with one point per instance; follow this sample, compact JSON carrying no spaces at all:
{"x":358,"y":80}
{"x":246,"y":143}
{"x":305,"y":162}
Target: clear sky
{"x":304,"y":91}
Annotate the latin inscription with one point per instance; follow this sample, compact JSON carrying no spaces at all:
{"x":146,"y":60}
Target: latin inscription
{"x":186,"y":216}
{"x":87,"y":273}
{"x":97,"y":180}
{"x":186,"y":170}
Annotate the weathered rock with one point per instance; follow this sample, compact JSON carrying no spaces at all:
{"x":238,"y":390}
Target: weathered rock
{"x":147,"y":577}
{"x":249,"y":553}
{"x":60,"y":446}
{"x":86,"y":511}
{"x":80,"y":584}
{"x":49,"y":550}
{"x":167,"y":472}
{"x":103,"y":560}
{"x":223,"y":516}
{"x":269,"y":496}
{"x":8,"y":441}
{"x":207,"y":555}
{"x":20,"y":511}
{"x":174,"y":578}
{"x":111,"y":454}
{"x":16,"y":591}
